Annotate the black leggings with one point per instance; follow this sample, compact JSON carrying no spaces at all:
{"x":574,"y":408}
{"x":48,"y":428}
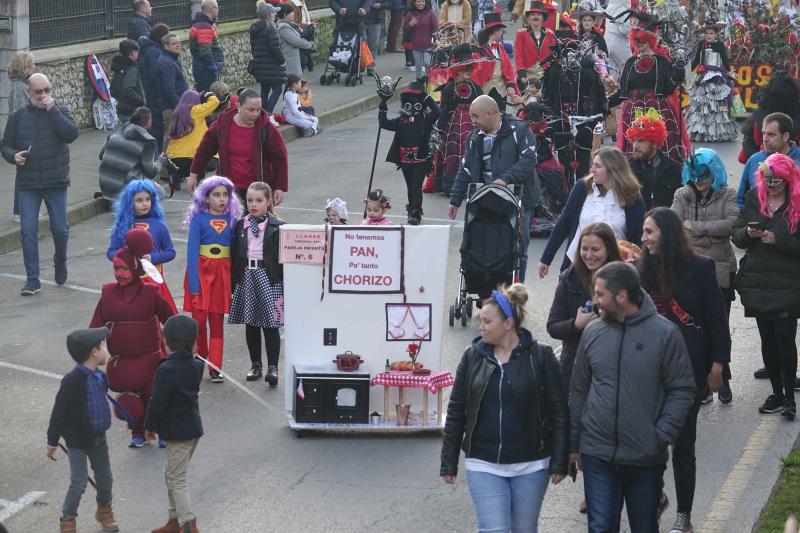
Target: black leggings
{"x":414,"y":174}
{"x":780,"y":353}
{"x":272,"y":340}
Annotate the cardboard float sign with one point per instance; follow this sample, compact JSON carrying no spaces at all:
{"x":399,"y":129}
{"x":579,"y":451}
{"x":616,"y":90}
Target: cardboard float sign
{"x":366,"y":260}
{"x":306,"y":247}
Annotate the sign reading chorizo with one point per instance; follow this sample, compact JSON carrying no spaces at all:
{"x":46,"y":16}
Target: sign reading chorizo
{"x":302,"y":246}
{"x":366,"y":259}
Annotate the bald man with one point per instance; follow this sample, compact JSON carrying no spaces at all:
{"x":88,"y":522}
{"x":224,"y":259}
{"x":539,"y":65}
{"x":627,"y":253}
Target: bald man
{"x":36,"y":140}
{"x":500,"y":149}
{"x":207,"y":55}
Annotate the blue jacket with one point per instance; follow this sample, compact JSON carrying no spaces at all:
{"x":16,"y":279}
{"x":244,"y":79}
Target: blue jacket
{"x":567,"y":224}
{"x":173,"y":410}
{"x":47,"y":134}
{"x":149,"y":52}
{"x":139,"y":26}
{"x":171,"y":84}
{"x":748,"y":180}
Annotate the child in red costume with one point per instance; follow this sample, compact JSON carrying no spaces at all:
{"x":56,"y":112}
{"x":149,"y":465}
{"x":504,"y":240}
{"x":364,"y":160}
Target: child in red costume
{"x":207,"y":288}
{"x":132,"y":311}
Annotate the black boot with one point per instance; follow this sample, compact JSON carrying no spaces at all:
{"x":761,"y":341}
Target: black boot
{"x":254,"y":373}
{"x":272,"y":375}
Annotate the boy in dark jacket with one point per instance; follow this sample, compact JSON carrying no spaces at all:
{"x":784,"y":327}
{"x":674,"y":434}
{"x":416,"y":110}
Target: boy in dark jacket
{"x":82,"y":416}
{"x":174,"y":414}
{"x":126,"y":85}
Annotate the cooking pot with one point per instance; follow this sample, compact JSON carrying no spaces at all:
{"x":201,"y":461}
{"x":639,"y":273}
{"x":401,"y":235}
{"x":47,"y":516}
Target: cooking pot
{"x":348,"y":361}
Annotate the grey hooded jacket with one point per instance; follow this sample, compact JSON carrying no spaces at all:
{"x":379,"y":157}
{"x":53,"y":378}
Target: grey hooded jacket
{"x":631,"y":389}
{"x":129,"y":153}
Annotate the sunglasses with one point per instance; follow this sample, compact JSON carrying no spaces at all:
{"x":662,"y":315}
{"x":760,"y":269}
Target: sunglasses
{"x":40,"y":92}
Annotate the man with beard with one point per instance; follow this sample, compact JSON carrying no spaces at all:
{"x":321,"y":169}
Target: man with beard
{"x":631,"y":389}
{"x":659,"y":175}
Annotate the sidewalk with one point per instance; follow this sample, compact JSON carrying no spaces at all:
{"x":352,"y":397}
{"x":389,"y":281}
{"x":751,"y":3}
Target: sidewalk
{"x":334,"y":104}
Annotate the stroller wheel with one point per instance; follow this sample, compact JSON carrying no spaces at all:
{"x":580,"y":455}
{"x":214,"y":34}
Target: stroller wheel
{"x":464,"y":316}
{"x":469,"y":308}
{"x":457,"y":310}
{"x":452,"y":316}
{"x":479,"y":303}
{"x":323,"y":79}
{"x":354,"y":81}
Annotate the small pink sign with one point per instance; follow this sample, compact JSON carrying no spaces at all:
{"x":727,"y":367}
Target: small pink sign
{"x":306,"y":247}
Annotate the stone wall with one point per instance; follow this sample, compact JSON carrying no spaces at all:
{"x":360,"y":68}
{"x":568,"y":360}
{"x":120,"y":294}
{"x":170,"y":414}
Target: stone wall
{"x":66,"y":66}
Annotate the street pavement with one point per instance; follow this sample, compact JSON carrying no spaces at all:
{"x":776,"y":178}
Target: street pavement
{"x":250,"y":472}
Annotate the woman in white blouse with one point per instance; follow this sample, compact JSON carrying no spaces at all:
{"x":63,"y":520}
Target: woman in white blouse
{"x":609,"y":194}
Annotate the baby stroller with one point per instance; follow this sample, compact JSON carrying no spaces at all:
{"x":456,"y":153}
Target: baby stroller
{"x":490,"y":247}
{"x":345,"y":56}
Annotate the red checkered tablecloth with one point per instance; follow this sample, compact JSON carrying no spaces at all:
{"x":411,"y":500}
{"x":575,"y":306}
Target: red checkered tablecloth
{"x":434,"y":381}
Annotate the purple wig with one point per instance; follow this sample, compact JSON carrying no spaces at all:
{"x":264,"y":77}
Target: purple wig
{"x":200,"y":199}
{"x":181,"y":123}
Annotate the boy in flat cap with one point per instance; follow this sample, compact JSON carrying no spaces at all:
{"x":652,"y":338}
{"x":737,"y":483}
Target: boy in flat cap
{"x":82,"y":416}
{"x":174,"y":413}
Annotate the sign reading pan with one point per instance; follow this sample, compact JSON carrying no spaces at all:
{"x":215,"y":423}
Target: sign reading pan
{"x":366,"y":259}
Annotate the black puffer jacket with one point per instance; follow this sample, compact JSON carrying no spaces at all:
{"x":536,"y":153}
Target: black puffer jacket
{"x":569,"y":297}
{"x":47,"y":133}
{"x":269,"y":65}
{"x":768,"y":280}
{"x":126,"y":85}
{"x":539,"y":401}
{"x":271,"y":246}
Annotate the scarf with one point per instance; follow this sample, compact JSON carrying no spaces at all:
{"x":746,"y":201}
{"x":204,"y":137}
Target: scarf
{"x":255,"y":221}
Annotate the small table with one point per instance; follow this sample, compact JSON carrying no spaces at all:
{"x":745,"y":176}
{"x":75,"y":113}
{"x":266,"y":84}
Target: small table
{"x":433,"y":382}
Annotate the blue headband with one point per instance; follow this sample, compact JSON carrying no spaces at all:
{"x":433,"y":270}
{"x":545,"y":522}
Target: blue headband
{"x":503,"y":303}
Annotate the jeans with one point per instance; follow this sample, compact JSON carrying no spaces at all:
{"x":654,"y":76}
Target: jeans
{"x":29,"y":202}
{"x":524,"y":242}
{"x":203,"y":77}
{"x":779,"y":352}
{"x":422,"y":61}
{"x":505,"y":504}
{"x":79,"y":475}
{"x":414,"y":175}
{"x":374,"y":32}
{"x":179,"y":453}
{"x":684,"y":463}
{"x":270,"y":92}
{"x":607,"y":486}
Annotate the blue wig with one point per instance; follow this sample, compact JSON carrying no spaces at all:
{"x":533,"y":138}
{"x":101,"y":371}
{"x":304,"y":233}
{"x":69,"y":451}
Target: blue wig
{"x":701,"y":163}
{"x":123,"y":207}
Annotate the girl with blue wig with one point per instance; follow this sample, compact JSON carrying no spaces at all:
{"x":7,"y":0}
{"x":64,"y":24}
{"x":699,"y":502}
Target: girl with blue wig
{"x":138,"y":206}
{"x":708,"y":208}
{"x":214,"y":212}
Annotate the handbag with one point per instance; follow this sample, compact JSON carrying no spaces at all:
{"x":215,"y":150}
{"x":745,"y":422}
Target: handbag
{"x":367,"y":61}
{"x":251,"y":67}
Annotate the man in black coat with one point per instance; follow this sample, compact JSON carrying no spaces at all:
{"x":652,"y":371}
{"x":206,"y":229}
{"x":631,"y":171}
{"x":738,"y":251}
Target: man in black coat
{"x":126,"y":85}
{"x":36,"y":140}
{"x":140,"y":24}
{"x":658,"y":175}
{"x":174,"y":413}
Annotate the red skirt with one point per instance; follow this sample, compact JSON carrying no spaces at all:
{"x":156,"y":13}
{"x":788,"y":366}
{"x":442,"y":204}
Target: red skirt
{"x":215,"y":287}
{"x":455,"y":138}
{"x":677,"y":144}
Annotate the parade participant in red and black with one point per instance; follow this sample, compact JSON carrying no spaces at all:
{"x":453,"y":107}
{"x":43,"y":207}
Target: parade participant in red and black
{"x":683,"y":286}
{"x":768,"y":284}
{"x":257,"y":278}
{"x":454,"y":122}
{"x":138,"y":206}
{"x":133,"y":311}
{"x":508,"y":412}
{"x":649,"y":79}
{"x":659,"y":175}
{"x":410,"y":147}
{"x":250,"y":149}
{"x":497,"y":78}
{"x":707,"y":207}
{"x":532,"y":42}
{"x":589,"y":17}
{"x":207,"y":288}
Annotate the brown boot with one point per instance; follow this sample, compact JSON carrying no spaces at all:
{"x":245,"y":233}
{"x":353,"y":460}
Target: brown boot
{"x":172,"y":526}
{"x":67,"y":524}
{"x":105,"y":515}
{"x":190,"y":526}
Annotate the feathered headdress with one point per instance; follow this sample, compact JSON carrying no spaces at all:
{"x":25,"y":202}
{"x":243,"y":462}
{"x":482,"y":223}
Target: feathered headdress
{"x":647,"y":126}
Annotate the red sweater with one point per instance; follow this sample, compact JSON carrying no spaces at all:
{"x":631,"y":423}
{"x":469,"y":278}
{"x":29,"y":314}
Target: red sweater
{"x":268,"y":147}
{"x":482,"y":72}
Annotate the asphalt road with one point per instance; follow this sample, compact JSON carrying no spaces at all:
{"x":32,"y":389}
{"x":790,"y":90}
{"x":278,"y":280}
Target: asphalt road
{"x":250,"y":472}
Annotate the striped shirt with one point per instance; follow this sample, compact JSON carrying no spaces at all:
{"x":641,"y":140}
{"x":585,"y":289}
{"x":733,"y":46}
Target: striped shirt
{"x":488,"y":142}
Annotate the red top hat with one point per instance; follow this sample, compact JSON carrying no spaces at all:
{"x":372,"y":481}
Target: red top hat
{"x":492,"y":20}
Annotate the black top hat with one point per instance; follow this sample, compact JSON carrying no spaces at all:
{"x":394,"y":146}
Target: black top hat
{"x":492,"y":20}
{"x":537,"y":7}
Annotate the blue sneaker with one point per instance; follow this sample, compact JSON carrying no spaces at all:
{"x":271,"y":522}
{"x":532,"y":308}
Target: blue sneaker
{"x":31,"y":287}
{"x":136,"y":442}
{"x":162,"y":443}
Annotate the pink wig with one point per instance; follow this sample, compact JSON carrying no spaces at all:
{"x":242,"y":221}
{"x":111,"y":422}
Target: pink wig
{"x":783,"y":167}
{"x":200,"y":199}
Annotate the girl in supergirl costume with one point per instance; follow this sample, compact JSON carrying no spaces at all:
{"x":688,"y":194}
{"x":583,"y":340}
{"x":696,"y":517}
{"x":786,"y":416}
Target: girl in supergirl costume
{"x":257,"y":277}
{"x":207,"y":287}
{"x":138,"y":206}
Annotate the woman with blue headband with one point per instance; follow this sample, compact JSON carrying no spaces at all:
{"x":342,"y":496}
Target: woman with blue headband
{"x":707,"y":206}
{"x":508,"y":412}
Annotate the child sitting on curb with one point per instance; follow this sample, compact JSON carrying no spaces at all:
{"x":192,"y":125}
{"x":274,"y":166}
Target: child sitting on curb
{"x":82,"y":416}
{"x":291,"y":108}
